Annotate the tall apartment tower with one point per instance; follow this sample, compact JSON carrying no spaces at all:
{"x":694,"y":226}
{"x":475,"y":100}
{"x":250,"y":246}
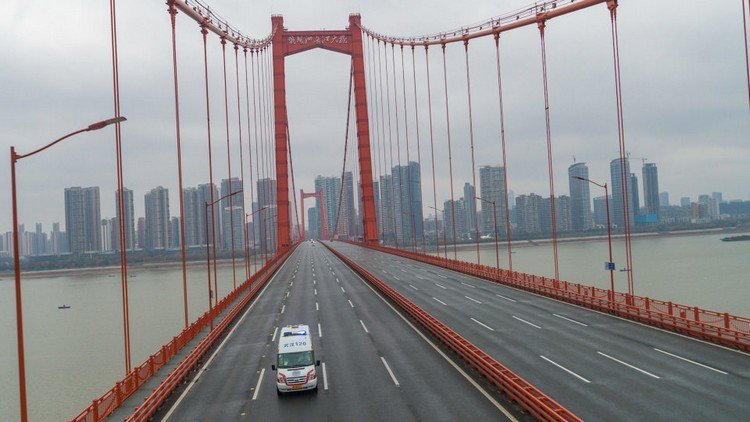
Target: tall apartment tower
{"x":651,"y":200}
{"x":470,"y":203}
{"x":492,"y":188}
{"x":348,"y":213}
{"x":157,"y":218}
{"x":83,"y":219}
{"x":580,"y":197}
{"x":386,"y":208}
{"x":231,"y":214}
{"x":331,"y":187}
{"x":266,"y":219}
{"x":455,"y":214}
{"x":528,"y":213}
{"x":618,"y":205}
{"x":408,"y":203}
{"x":127,"y":200}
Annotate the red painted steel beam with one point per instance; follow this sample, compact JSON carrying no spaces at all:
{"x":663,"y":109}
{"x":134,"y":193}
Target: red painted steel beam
{"x":204,"y":16}
{"x":529,"y":397}
{"x":534,"y":14}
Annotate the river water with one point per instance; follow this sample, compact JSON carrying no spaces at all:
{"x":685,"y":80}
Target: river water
{"x":76,"y":354}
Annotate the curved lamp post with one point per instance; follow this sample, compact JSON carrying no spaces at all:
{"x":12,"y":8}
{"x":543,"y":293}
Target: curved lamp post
{"x":14,"y":158}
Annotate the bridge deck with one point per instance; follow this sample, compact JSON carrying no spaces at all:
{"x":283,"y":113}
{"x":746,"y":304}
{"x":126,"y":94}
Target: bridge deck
{"x":359,"y":333}
{"x":599,"y":366}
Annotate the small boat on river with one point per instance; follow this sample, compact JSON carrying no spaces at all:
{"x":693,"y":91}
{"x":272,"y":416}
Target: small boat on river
{"x":736,"y":238}
{"x":63,"y":306}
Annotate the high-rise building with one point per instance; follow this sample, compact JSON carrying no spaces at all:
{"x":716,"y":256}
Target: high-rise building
{"x":83,"y":219}
{"x":378,"y":209}
{"x":492,"y":188}
{"x":408,"y":203}
{"x":127,"y":200}
{"x":651,"y":197}
{"x":600,"y":211}
{"x":347,"y":206}
{"x":313,"y":217}
{"x":388,"y":224}
{"x":617,"y":203}
{"x":562,"y":214}
{"x":194,"y":216}
{"x":141,"y":232}
{"x":106,"y":234}
{"x":157,"y":218}
{"x":717,"y":199}
{"x":174,"y":232}
{"x":663,"y":199}
{"x":580,"y":197}
{"x":455,"y":214}
{"x":685,"y":201}
{"x":470,"y":203}
{"x":59,"y":240}
{"x":232,"y":218}
{"x":266,"y":218}
{"x":206,"y":194}
{"x":528,"y":214}
{"x":330,"y":187}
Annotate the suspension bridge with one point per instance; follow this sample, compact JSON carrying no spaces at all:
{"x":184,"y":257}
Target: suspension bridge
{"x":404,"y":329}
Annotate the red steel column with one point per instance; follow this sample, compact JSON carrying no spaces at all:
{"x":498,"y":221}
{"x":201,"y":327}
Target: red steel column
{"x":280,"y":125}
{"x":363,"y":132}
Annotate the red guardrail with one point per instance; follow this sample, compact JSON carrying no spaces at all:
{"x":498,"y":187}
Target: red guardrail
{"x":103,"y":406}
{"x":722,"y":328}
{"x":529,"y":397}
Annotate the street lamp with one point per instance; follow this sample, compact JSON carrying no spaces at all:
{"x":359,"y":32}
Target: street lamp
{"x":15,"y":157}
{"x":215,"y":293}
{"x":610,"y":265}
{"x":437,"y":241}
{"x":255,"y":252}
{"x":494,"y":217}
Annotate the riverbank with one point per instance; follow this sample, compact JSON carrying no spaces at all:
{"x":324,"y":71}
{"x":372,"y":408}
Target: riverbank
{"x":524,"y":243}
{"x":114,"y":271}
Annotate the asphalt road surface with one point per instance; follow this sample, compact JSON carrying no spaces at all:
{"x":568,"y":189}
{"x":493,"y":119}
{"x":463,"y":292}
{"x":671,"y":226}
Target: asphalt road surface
{"x":375,"y":364}
{"x":599,"y":366}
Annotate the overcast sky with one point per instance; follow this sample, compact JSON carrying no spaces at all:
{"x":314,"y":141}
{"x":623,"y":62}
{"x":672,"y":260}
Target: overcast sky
{"x":683,"y":75}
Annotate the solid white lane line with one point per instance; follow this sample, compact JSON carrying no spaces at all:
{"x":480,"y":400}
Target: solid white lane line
{"x":467,"y":284}
{"x":396,"y":278}
{"x":325,"y":377}
{"x":218,"y":349}
{"x":571,"y":320}
{"x":275,"y":330}
{"x":413,"y":287}
{"x":566,"y":370}
{"x":440,"y":301}
{"x":257,"y":386}
{"x":691,"y":361}
{"x":320,"y":331}
{"x":483,"y":325}
{"x":440,"y":285}
{"x":350,"y":303}
{"x":342,"y":290}
{"x":505,"y":297}
{"x":282,"y":308}
{"x":317,"y":308}
{"x":363,"y":326}
{"x":388,"y":368}
{"x":629,"y":365}
{"x":473,"y":300}
{"x":526,"y":322}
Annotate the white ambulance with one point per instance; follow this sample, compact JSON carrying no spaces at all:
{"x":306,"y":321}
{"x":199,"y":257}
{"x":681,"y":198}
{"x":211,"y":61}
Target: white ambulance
{"x":295,"y":361}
